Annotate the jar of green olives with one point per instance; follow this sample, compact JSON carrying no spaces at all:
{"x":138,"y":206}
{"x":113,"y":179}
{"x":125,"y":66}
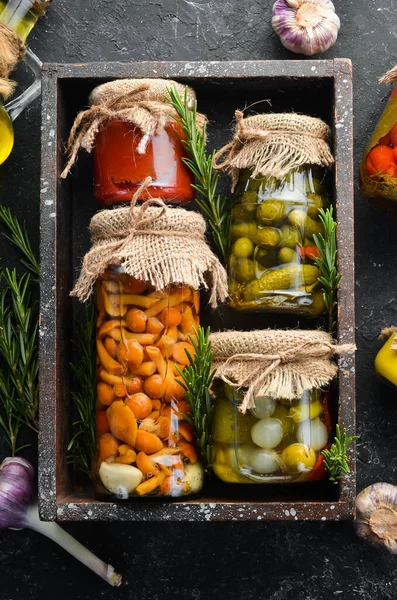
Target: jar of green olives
{"x":276,"y":441}
{"x":277,"y":163}
{"x":272,"y":417}
{"x":272,"y":258}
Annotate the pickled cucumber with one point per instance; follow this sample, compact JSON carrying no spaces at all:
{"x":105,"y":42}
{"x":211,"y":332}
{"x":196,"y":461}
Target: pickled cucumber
{"x":281,"y":279}
{"x":298,"y":218}
{"x":286,"y":255}
{"x":264,"y":237}
{"x":290,"y":237}
{"x":243,"y":270}
{"x":271,"y":212}
{"x":229,"y":425}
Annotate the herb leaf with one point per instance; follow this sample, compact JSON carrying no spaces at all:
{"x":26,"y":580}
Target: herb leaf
{"x":19,"y":237}
{"x":326,"y":263}
{"x":18,"y":339}
{"x":82,"y":446}
{"x":213,"y":205}
{"x":335,"y":459}
{"x":196,"y":379}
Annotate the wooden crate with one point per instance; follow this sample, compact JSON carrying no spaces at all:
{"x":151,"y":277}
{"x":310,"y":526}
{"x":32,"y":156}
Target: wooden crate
{"x":320,"y":88}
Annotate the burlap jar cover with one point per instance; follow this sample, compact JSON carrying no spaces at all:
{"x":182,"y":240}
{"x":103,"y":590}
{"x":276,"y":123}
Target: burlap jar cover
{"x":142,"y":102}
{"x":387,"y":333}
{"x":275,"y":363}
{"x":274,"y":144}
{"x":12,"y":49}
{"x":154,"y":243}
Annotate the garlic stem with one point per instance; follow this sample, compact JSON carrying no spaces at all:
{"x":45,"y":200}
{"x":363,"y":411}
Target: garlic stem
{"x":68,"y":543}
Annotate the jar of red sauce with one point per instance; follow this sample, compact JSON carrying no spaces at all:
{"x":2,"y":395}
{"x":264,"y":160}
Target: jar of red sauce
{"x":125,"y":154}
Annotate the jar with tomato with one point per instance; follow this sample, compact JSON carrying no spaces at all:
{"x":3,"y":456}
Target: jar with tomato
{"x":133,"y":133}
{"x":378,"y":168}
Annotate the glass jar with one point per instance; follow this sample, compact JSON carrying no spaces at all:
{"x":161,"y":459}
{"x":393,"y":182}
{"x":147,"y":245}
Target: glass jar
{"x":21,"y":16}
{"x":278,"y":441}
{"x":271,"y":263}
{"x":119,"y":169}
{"x":145,"y":445}
{"x":378,"y":168}
{"x":386,"y":362}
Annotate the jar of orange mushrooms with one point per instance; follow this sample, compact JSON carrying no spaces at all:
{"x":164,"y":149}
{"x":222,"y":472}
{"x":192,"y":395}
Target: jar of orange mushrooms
{"x":149,"y":263}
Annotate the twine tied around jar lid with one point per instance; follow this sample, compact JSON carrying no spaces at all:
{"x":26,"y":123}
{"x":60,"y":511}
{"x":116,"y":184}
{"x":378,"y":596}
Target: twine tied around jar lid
{"x":154,"y":243}
{"x":390,"y":76}
{"x":12,"y":50}
{"x":275,"y":363}
{"x":387,"y":333}
{"x":272,"y":145}
{"x":142,"y":102}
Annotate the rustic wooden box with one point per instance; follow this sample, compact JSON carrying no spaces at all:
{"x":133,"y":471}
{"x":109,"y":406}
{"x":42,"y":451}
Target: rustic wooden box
{"x":319,"y":88}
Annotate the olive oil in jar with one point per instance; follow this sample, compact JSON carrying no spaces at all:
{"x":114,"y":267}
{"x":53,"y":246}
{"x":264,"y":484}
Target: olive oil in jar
{"x":21,"y":16}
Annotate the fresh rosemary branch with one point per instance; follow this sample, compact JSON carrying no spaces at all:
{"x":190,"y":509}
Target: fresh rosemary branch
{"x":18,"y":338}
{"x":196,"y":378}
{"x":329,"y":276}
{"x":212,"y":204}
{"x":82,"y":446}
{"x":335,"y":459}
{"x":19,"y":238}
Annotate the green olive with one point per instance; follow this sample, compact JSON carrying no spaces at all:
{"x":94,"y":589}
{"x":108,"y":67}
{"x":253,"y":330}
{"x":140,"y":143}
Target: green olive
{"x":243,"y":270}
{"x":243,"y":247}
{"x":286,"y":256}
{"x":290,"y":237}
{"x":298,"y":218}
{"x":240,"y":214}
{"x":313,"y":185}
{"x":263,"y":237}
{"x":248,"y":202}
{"x":271,"y":212}
{"x":315,"y":202}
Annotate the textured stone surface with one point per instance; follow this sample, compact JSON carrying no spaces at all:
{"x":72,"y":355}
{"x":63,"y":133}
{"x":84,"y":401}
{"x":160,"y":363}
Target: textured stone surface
{"x":241,"y":561}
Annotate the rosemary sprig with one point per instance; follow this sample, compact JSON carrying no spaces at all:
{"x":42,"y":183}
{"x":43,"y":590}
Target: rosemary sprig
{"x":329,"y":276}
{"x":82,"y":446}
{"x":335,"y":459}
{"x":18,"y":338}
{"x":196,"y":380}
{"x":212,"y":204}
{"x":19,"y":237}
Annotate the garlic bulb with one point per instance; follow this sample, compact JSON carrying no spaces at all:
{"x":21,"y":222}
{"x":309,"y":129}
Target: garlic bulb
{"x":306,"y":26}
{"x":376,"y":515}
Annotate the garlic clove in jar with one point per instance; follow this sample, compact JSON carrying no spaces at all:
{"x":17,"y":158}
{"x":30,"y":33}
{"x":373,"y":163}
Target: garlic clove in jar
{"x":194,"y":477}
{"x":120,"y":479}
{"x":376,"y":515}
{"x":306,"y":26}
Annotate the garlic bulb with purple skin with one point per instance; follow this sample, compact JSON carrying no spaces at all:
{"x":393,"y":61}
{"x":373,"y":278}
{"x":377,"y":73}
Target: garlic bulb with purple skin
{"x":306,"y":26}
{"x":17,"y":512}
{"x":376,"y":515}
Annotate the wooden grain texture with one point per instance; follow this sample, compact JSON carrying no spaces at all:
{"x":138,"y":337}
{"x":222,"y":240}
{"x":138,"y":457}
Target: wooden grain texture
{"x":295,"y":84}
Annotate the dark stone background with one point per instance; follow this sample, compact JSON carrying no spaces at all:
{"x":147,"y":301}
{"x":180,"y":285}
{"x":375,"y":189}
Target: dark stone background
{"x":240,"y":561}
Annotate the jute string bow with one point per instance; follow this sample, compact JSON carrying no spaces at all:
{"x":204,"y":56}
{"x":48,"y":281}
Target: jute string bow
{"x":12,"y":49}
{"x":387,"y":333}
{"x":302,"y":363}
{"x":143,"y":241}
{"x":143,"y":103}
{"x":274,"y":144}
